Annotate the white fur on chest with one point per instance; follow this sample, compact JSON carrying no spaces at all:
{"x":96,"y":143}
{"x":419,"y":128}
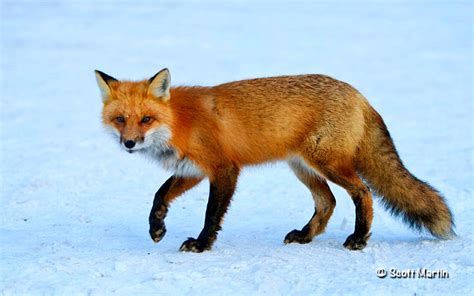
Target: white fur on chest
{"x":157,"y":148}
{"x":180,"y":166}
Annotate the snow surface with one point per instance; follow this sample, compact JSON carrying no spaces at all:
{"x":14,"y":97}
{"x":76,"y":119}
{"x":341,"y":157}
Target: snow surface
{"x":74,"y":206}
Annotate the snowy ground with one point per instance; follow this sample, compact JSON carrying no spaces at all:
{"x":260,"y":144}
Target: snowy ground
{"x":74,"y":207}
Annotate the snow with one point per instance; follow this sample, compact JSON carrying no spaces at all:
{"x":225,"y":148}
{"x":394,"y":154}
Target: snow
{"x":74,"y":206}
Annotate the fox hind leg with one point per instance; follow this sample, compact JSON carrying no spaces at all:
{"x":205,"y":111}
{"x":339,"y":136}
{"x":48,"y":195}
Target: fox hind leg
{"x":344,"y":175}
{"x":324,"y":203}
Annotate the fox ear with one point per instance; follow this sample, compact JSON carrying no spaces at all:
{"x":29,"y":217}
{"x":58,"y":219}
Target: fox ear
{"x":159,"y":85}
{"x":103,"y":81}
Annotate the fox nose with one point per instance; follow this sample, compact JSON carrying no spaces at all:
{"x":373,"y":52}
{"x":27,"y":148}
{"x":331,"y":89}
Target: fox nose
{"x":129,"y":144}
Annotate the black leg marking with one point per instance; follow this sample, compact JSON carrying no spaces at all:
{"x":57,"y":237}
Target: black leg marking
{"x":302,"y":236}
{"x":170,"y":190}
{"x":158,"y":211}
{"x":220,"y":194}
{"x":358,"y":240}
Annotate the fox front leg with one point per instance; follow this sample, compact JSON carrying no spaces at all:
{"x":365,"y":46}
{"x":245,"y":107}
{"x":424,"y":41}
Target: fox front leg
{"x":221,"y":190}
{"x":171,"y":189}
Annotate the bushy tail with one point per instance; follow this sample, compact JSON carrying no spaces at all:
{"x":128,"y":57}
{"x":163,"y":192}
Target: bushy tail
{"x":419,"y":204}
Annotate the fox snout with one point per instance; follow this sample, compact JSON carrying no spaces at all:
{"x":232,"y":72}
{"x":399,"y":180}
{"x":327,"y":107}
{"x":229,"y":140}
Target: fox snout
{"x":128,"y":145}
{"x":131,"y":145}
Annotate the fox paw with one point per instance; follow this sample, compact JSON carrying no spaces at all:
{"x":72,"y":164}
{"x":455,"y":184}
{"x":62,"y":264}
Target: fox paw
{"x":356,"y":242}
{"x":194,"y":245}
{"x":297,"y":236}
{"x":157,"y":230}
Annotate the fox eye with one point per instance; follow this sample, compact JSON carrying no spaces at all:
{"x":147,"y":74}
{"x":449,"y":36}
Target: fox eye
{"x":120,"y":119}
{"x":146,"y":119}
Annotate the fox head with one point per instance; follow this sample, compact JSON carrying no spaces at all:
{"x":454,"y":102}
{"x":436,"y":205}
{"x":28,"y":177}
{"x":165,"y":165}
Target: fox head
{"x":138,"y":112}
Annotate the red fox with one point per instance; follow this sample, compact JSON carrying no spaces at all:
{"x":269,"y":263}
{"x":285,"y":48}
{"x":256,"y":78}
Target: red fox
{"x":323,"y":128}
